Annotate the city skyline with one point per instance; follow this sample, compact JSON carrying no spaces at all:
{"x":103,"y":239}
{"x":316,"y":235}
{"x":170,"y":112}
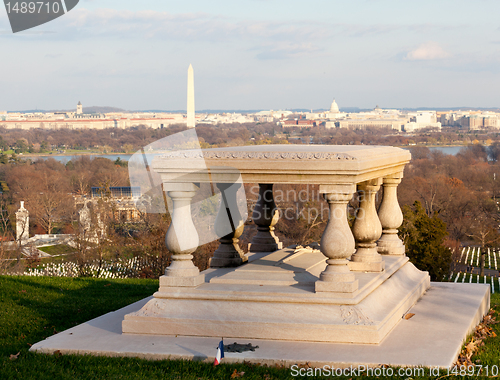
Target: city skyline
{"x":256,"y":55}
{"x":204,"y":111}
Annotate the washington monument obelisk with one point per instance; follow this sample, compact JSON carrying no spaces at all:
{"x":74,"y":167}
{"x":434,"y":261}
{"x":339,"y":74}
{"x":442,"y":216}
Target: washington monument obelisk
{"x":190,"y":99}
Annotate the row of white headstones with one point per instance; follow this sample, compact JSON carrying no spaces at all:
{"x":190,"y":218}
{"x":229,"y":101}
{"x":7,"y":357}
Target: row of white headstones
{"x":475,"y":255}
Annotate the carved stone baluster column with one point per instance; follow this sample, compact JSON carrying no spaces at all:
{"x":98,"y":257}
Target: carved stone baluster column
{"x":229,"y":253}
{"x":367,"y":230}
{"x":265,"y":216}
{"x":337,"y":243}
{"x":391,"y":218}
{"x":182,"y":239}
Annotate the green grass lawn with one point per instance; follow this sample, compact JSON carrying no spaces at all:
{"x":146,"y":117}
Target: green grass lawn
{"x":34,"y":308}
{"x":59,"y":249}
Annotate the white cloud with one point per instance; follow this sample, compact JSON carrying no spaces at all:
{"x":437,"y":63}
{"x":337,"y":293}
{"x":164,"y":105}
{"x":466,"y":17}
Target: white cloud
{"x":285,"y":51}
{"x":188,"y":26}
{"x":426,"y":52}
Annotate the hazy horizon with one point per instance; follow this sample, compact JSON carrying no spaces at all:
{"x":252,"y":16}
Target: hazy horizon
{"x":342,"y":109}
{"x":256,"y":55}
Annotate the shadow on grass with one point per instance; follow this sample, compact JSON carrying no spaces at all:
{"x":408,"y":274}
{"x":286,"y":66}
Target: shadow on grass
{"x":33,"y":308}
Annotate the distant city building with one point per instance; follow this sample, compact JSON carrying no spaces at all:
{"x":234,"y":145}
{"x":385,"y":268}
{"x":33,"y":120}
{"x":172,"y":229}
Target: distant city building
{"x":332,"y":118}
{"x":229,"y":118}
{"x":377,"y":118}
{"x":72,"y":120}
{"x":334,"y":108}
{"x":327,"y":117}
{"x":115,"y":192}
{"x":470,"y":120}
{"x":370,"y":123}
{"x":421,"y":120}
{"x":300,"y":123}
{"x":121,"y":198}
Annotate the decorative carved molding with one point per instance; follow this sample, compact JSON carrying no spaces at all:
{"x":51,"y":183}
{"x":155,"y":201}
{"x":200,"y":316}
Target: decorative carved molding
{"x":260,"y":155}
{"x":151,"y":309}
{"x":353,"y":316}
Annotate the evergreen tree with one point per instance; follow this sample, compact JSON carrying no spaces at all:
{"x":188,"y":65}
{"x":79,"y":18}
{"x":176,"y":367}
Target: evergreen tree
{"x":424,"y":240}
{"x":4,"y":159}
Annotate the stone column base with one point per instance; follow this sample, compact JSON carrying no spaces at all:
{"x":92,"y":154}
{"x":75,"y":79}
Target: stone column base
{"x":256,"y":247}
{"x":227,"y":262}
{"x":359,"y":266}
{"x":388,"y":246}
{"x":340,"y":287}
{"x":258,"y":312}
{"x":171,"y":281}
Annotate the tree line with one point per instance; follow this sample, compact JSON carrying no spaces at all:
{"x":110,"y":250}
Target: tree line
{"x":130,"y":140}
{"x":49,"y":187}
{"x":457,"y":195}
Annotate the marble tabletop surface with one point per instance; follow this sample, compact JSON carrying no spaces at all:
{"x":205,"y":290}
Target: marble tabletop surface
{"x":285,"y":163}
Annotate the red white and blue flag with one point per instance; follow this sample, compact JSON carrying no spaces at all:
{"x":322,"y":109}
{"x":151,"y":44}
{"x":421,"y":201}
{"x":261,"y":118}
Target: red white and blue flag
{"x":220,"y":353}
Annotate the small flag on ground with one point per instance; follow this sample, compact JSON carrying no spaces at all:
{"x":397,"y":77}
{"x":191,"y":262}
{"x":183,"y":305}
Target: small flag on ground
{"x":220,"y":353}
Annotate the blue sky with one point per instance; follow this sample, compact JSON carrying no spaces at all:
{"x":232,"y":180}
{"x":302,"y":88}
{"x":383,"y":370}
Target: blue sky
{"x":256,"y":54}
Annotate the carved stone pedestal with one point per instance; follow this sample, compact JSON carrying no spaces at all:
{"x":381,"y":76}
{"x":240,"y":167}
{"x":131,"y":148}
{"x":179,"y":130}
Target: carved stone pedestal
{"x":367,"y":230}
{"x":285,"y":294}
{"x":229,"y":253}
{"x":337,"y":243}
{"x":265,"y":216}
{"x":182,"y":240}
{"x":391,"y":218}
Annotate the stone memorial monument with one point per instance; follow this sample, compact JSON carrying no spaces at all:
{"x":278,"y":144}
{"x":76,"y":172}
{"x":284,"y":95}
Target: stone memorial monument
{"x":22,"y":224}
{"x":92,"y":228}
{"x":191,"y":122}
{"x":342,"y":302}
{"x":84,"y":218}
{"x":351,"y":291}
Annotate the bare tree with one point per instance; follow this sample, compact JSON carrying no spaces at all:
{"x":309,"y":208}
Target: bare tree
{"x":483,"y":228}
{"x":6,"y":235}
{"x":45,"y":190}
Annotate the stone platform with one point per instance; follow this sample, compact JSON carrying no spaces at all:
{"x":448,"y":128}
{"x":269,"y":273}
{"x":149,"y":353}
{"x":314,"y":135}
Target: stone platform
{"x":273,"y":296}
{"x":432,"y":337}
{"x":295,"y":306}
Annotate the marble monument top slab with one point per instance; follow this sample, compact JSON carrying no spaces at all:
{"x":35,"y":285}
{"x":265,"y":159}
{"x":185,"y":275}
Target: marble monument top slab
{"x":318,"y":164}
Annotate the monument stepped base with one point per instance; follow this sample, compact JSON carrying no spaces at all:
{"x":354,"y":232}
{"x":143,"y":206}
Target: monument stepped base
{"x":273,"y":297}
{"x":353,"y":316}
{"x":443,"y":318}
